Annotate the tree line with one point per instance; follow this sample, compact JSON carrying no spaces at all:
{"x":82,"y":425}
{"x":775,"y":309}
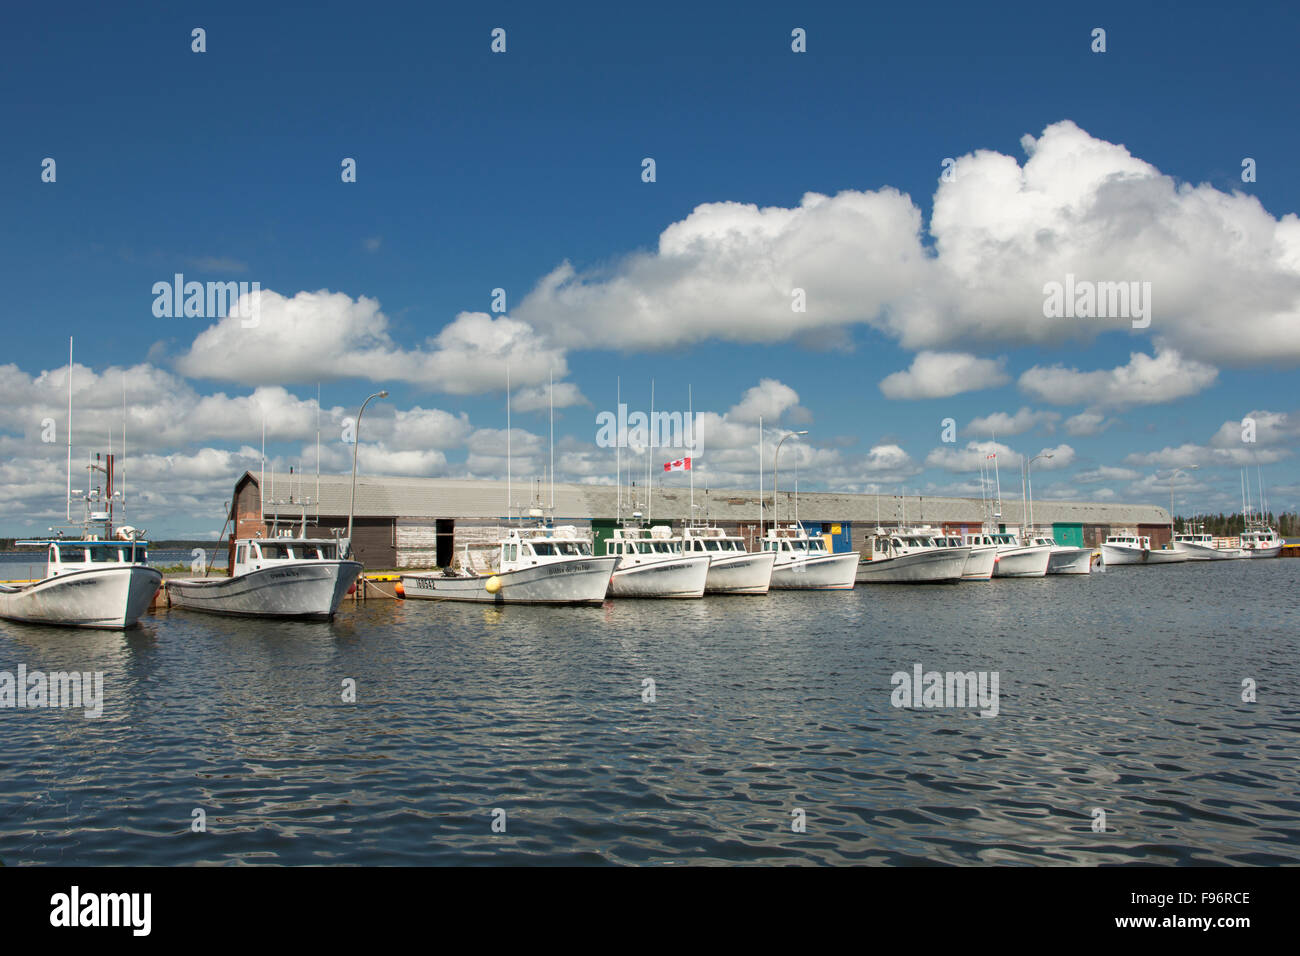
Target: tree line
{"x":1287,"y":524}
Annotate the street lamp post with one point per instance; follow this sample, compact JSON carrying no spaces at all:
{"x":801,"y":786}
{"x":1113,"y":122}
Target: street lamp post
{"x":356,"y":444}
{"x":776,"y":462}
{"x":1030,"y":470}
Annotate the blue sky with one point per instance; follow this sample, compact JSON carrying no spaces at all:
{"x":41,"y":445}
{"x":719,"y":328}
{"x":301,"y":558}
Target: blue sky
{"x":479,"y":170}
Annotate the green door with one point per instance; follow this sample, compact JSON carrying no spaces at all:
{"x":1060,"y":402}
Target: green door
{"x":1069,"y":533}
{"x":602,"y":529}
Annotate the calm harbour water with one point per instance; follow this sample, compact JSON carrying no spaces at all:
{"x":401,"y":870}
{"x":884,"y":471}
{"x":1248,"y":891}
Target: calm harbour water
{"x":1119,"y":691}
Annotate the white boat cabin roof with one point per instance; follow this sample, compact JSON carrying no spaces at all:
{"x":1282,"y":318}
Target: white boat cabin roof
{"x":65,"y":555}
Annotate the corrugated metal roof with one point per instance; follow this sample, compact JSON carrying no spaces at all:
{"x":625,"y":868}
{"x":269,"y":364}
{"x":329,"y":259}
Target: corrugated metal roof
{"x":461,"y":498}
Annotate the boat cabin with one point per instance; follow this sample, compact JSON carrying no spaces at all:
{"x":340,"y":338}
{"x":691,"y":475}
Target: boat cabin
{"x":793,"y":541}
{"x":652,"y":541}
{"x":254,"y":554}
{"x":1259,"y":538}
{"x":64,"y":557}
{"x":522,"y":548}
{"x":898,"y":544}
{"x":711,"y":541}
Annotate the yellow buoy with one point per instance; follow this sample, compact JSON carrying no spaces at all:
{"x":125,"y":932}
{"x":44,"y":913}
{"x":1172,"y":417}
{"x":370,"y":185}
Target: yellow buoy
{"x":493,"y":584}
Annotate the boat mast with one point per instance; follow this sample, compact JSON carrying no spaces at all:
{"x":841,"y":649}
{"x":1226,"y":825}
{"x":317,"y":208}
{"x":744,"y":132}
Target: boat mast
{"x":68,"y":509}
{"x":1024,"y":509}
{"x":997,"y":515}
{"x":796,"y":490}
{"x":317,"y":461}
{"x":123,"y":469}
{"x":552,"y":401}
{"x":508,"y":488}
{"x":649,"y":464}
{"x":1263,"y":507}
{"x":760,"y":476}
{"x":618,"y":449}
{"x":690,"y":424}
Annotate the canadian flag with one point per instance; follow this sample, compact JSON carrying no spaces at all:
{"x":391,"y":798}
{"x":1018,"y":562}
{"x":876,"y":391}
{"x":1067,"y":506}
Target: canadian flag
{"x":681,"y":464}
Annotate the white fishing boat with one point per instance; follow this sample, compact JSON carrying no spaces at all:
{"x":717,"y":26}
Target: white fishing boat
{"x":1199,"y":546}
{"x":1064,"y":558}
{"x":88,"y":583}
{"x":101,"y":579}
{"x":803,"y":562}
{"x":732,"y":569}
{"x":1166,"y":555}
{"x":1260,"y":541}
{"x":652,"y":564}
{"x":905,"y":557}
{"x":1125,"y":547}
{"x":538,"y":565}
{"x":1014,"y":560}
{"x":280,"y":577}
{"x":983,"y":555}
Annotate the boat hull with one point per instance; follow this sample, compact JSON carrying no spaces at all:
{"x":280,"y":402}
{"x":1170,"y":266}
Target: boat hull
{"x":831,"y":572}
{"x":979,"y":566}
{"x":1269,"y":551}
{"x":1202,"y":552}
{"x":1112,"y":555}
{"x":749,"y":573}
{"x":1023,"y":562}
{"x":576,"y":581}
{"x":310,"y":590}
{"x":679,"y":577}
{"x":112,"y":598}
{"x":1165,"y":556}
{"x":1067,"y":560}
{"x":938,"y":566}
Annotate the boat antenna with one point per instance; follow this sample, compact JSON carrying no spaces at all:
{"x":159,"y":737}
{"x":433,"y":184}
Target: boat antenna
{"x":261,"y":486}
{"x":122,"y":466}
{"x":509,"y":492}
{"x":649,"y":463}
{"x":796,"y":489}
{"x":690,"y":424}
{"x":317,"y":460}
{"x":760,"y":476}
{"x":618,"y":448}
{"x":1263,"y":504}
{"x":552,"y":400}
{"x":997,"y":515}
{"x":69,"y":507}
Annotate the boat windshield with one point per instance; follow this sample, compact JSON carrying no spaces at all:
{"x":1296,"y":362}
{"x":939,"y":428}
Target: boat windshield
{"x":573,"y":547}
